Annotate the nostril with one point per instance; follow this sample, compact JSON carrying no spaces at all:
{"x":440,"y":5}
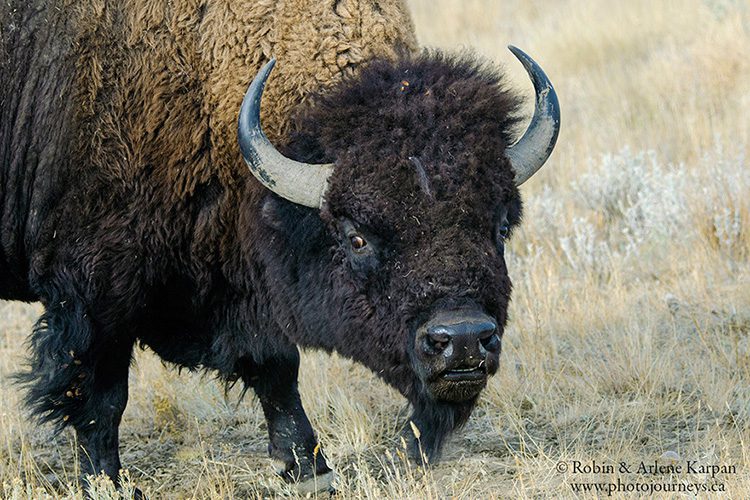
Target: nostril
{"x":438,"y":338}
{"x":486,"y":329}
{"x":490,"y":343}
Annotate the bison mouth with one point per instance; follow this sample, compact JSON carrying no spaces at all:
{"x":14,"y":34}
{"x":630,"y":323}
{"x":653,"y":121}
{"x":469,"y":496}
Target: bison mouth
{"x":458,"y":384}
{"x":465,"y":374}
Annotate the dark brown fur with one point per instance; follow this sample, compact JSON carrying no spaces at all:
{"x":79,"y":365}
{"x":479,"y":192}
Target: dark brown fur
{"x":128,"y":212}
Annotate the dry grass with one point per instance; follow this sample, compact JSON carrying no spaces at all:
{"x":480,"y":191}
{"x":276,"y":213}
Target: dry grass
{"x":630,"y":332}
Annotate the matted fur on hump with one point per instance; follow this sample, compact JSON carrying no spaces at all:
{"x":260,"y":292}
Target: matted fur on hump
{"x":160,"y":83}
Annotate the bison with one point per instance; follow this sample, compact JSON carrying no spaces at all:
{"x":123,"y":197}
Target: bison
{"x":377,"y":229}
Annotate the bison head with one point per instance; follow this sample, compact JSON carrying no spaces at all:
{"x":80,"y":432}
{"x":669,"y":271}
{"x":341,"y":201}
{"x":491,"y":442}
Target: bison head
{"x":392,"y":253}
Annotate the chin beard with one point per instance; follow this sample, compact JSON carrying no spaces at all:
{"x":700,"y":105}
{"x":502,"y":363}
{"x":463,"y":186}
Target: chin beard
{"x":435,"y":421}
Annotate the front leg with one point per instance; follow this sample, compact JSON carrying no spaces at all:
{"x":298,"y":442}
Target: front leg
{"x":79,"y":377}
{"x":293,"y":445}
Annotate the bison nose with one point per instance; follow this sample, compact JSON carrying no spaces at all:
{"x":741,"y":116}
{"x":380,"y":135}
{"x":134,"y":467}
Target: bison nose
{"x":466,"y":337}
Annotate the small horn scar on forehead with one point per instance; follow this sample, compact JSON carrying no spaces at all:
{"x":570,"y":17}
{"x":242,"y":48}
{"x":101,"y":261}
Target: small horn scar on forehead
{"x":424,"y":182}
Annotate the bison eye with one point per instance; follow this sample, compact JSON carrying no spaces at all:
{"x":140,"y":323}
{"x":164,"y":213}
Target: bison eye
{"x":503,"y":231}
{"x":358,"y":242}
{"x":361,"y":246}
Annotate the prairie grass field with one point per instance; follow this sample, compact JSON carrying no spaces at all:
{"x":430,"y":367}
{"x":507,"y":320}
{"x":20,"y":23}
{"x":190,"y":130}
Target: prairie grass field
{"x":629,"y":338}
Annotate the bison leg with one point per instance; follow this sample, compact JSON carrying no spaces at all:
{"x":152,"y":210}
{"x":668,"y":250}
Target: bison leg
{"x":98,"y":438}
{"x":293,"y":445}
{"x":79,"y":378}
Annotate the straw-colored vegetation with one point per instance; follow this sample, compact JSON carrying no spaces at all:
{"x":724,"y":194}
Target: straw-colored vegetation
{"x":630,"y":330}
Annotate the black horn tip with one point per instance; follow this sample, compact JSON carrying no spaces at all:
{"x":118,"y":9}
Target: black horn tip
{"x":249,"y":120}
{"x":537,"y":74}
{"x":520,"y":54}
{"x":528,"y":63}
{"x":537,"y":143}
{"x":545,"y":92}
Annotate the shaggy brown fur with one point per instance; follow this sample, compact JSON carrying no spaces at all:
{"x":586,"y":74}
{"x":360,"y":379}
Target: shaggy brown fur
{"x":121,"y":178}
{"x":145,"y":68}
{"x":128,"y":211}
{"x":116,"y":92}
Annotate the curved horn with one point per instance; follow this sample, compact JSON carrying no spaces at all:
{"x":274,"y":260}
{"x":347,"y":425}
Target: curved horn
{"x":301,"y":183}
{"x":534,"y":147}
